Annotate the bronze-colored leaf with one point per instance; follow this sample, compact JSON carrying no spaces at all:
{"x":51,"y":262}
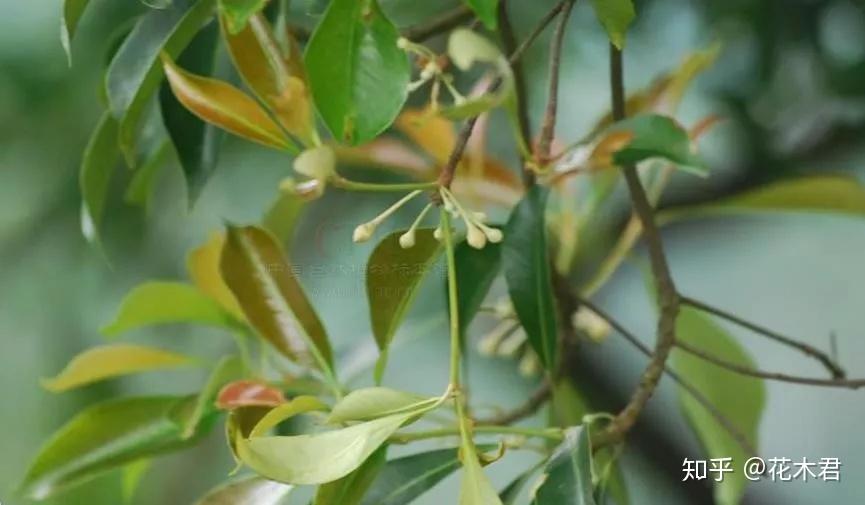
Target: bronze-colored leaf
{"x":248,"y":393}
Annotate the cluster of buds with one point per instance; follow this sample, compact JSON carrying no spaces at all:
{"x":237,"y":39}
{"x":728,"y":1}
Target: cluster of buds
{"x":508,"y":340}
{"x":478,"y":233}
{"x":318,"y":164}
{"x":432,"y":70}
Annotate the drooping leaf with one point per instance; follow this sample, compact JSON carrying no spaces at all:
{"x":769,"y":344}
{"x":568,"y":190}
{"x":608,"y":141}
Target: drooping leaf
{"x":202,"y":264}
{"x":99,"y":161}
{"x":486,"y":11}
{"x":371,"y":403}
{"x":282,"y":217}
{"x":393,"y":276}
{"x":249,"y":393}
{"x":404,"y":479}
{"x":134,"y":73}
{"x":823,"y":193}
{"x":158,"y":302}
{"x":238,"y":12}
{"x":105,"y":436}
{"x":276,"y":75}
{"x":141,"y":187}
{"x":255,"y":269}
{"x":615,"y":16}
{"x":72,"y":12}
{"x":568,"y":472}
{"x":655,"y":136}
{"x":359,"y":97}
{"x":740,"y":398}
{"x":278,"y":414}
{"x":466,"y":48}
{"x":225,"y":106}
{"x":107,"y":361}
{"x":247,"y":491}
{"x":229,"y":368}
{"x":525,"y":262}
{"x":476,"y":488}
{"x":195,"y":142}
{"x":476,"y":270}
{"x":351,"y":489}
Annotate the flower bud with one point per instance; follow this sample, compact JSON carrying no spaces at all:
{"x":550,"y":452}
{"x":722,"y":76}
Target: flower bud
{"x":494,"y":235}
{"x":407,"y":239}
{"x":438,"y":234}
{"x":402,"y":43}
{"x":363,"y":232}
{"x":476,"y":237}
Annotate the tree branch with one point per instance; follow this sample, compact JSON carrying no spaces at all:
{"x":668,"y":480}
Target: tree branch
{"x":831,"y":365}
{"x":668,"y":297}
{"x":534,"y":402}
{"x":548,"y":126}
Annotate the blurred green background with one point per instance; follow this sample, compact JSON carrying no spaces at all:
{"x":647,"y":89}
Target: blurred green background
{"x":790,"y":83}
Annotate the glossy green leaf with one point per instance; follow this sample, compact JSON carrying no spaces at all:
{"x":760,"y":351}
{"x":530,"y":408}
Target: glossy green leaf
{"x":247,"y":491}
{"x":615,"y":16}
{"x":229,"y":368}
{"x":255,"y":269}
{"x":107,"y":361}
{"x":195,"y":141}
{"x":159,"y":302}
{"x":525,"y":261}
{"x":393,"y":276}
{"x":362,"y":95}
{"x":140,"y":189}
{"x":741,"y":399}
{"x":511,"y":494}
{"x":568,"y":473}
{"x":655,"y":136}
{"x":476,"y":270}
{"x":372,"y":403}
{"x":134,"y":73}
{"x":225,"y":106}
{"x":104,"y":437}
{"x":486,"y":11}
{"x":404,"y":479}
{"x":319,"y":457}
{"x":351,"y":489}
{"x":822,"y":193}
{"x":238,"y":12}
{"x":99,"y":161}
{"x":466,"y":48}
{"x":476,"y":488}
{"x":72,"y":12}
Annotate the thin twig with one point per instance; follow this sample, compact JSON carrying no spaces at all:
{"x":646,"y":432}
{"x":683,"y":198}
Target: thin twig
{"x":724,"y":421}
{"x":830,"y":364}
{"x":668,"y":297}
{"x":534,"y":402}
{"x":548,"y":126}
{"x":753,"y":372}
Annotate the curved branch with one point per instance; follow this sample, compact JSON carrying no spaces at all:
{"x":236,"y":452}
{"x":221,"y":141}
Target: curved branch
{"x":548,"y":126}
{"x":534,"y":402}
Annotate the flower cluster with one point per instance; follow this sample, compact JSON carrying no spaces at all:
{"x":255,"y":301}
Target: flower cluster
{"x":432,"y":70}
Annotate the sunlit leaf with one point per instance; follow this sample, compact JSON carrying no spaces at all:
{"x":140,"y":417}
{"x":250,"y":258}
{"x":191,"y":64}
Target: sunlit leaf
{"x":361,"y":95}
{"x":404,"y":479}
{"x":371,"y":403}
{"x":158,"y":302}
{"x":466,"y":48}
{"x":476,"y":270}
{"x":257,"y":272}
{"x":105,"y":436}
{"x":741,"y":399}
{"x":655,"y":136}
{"x":134,"y":73}
{"x":202,"y":264}
{"x":72,"y":12}
{"x":568,"y":473}
{"x":249,"y":393}
{"x":107,"y":361}
{"x":229,"y":368}
{"x":99,"y":161}
{"x":616,"y":16}
{"x":525,"y":263}
{"x":393,"y":276}
{"x":195,"y":142}
{"x":486,"y":11}
{"x":351,"y":489}
{"x":247,"y":491}
{"x":225,"y":106}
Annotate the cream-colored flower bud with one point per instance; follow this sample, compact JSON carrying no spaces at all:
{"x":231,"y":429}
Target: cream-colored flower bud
{"x":529,"y":365}
{"x":407,"y":239}
{"x":363,"y":232}
{"x":438,"y":234}
{"x":476,"y":237}
{"x":316,"y":162}
{"x":402,"y":43}
{"x":494,"y":235}
{"x":589,"y":322}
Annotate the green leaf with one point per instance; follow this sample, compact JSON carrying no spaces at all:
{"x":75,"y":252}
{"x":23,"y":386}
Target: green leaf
{"x":202,"y":264}
{"x":247,"y":491}
{"x":568,"y":474}
{"x":100,"y":158}
{"x":512,"y":493}
{"x":476,"y":270}
{"x":195,"y":142}
{"x":404,"y":479}
{"x":319,"y":457}
{"x":359,"y":96}
{"x":466,"y":48}
{"x":476,"y":488}
{"x":393,"y":276}
{"x":228,"y":369}
{"x":525,"y":261}
{"x":299,"y":405}
{"x":615,"y":16}
{"x":72,"y":12}
{"x":372,"y":403}
{"x":140,"y":188}
{"x":821,"y":193}
{"x":238,"y":12}
{"x":351,"y":489}
{"x":655,"y":136}
{"x":132,"y":475}
{"x":255,"y":269}
{"x":282,"y":217}
{"x":486,"y":11}
{"x":105,"y":436}
{"x":158,"y":302}
{"x":134,"y":73}
{"x":107,"y":361}
{"x":740,"y":398}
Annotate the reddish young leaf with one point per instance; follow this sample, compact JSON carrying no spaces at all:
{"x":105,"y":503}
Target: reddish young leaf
{"x":248,"y":393}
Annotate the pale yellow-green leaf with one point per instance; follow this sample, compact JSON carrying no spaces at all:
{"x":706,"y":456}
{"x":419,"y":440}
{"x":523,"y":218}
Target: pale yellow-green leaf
{"x":202,"y":264}
{"x":371,"y":403}
{"x":298,"y":405}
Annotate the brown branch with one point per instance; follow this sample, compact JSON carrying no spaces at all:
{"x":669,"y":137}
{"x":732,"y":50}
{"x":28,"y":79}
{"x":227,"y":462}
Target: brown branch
{"x":418,"y":32}
{"x":531,"y":405}
{"x":548,"y":126}
{"x":725,"y":422}
{"x":753,"y":372}
{"x":667,"y":295}
{"x":831,"y":365}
